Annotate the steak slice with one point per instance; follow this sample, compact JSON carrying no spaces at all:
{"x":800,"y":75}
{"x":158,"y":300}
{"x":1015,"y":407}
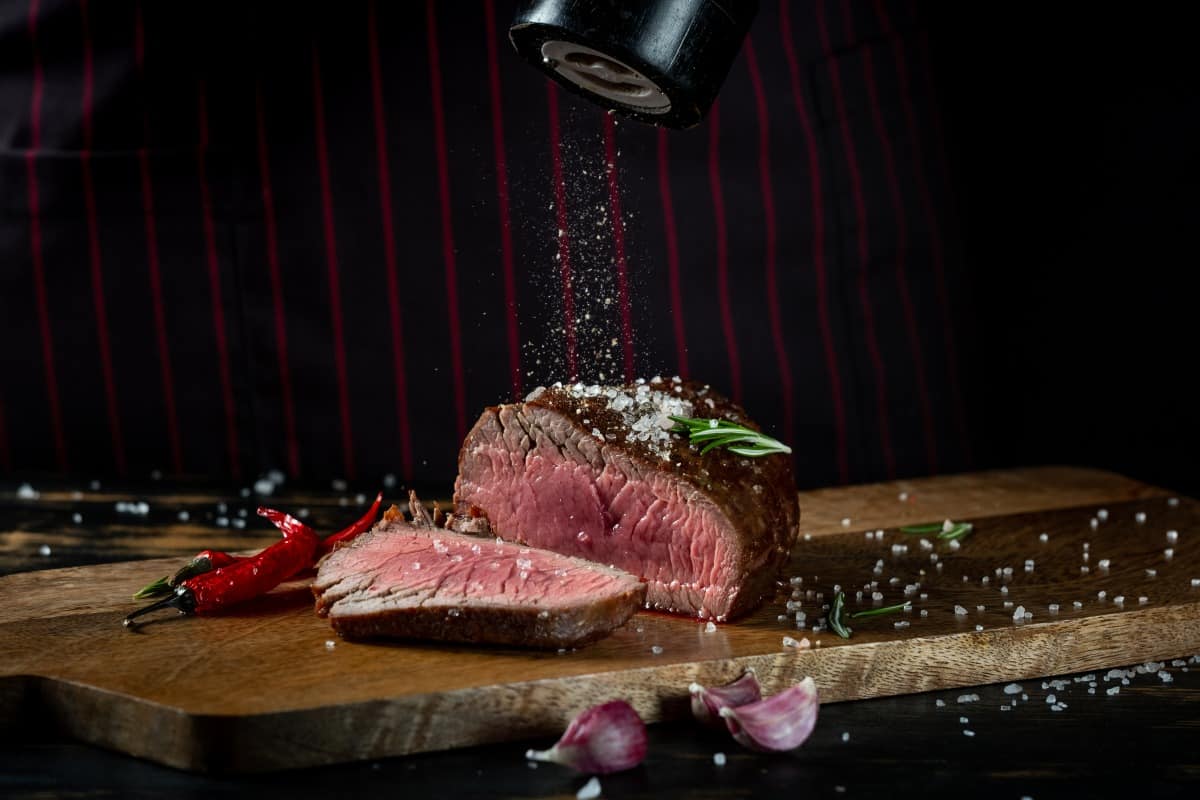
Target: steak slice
{"x":398,"y":580}
{"x":596,"y":472}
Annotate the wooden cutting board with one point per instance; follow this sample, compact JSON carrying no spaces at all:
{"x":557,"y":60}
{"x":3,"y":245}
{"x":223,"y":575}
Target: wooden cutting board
{"x":270,"y":686}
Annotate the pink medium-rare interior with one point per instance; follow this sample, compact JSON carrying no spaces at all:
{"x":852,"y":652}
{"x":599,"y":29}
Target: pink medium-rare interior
{"x":436,"y":570}
{"x":644,"y":526}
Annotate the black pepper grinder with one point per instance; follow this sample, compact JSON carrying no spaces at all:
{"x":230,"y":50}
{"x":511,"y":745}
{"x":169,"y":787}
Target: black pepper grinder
{"x":657,"y":61}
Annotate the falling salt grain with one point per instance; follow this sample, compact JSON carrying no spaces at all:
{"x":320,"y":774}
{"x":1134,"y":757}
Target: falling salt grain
{"x":902,"y":624}
{"x":1172,"y":537}
{"x":1019,"y":614}
{"x":1119,"y":599}
{"x":77,"y":518}
{"x":978,"y":627}
{"x":1172,"y":501}
{"x":1142,"y":600}
{"x":1043,"y":538}
{"x":1053,"y":607}
{"x":1103,"y":563}
{"x":968,"y":733}
{"x":1100,"y":595}
{"x":845,"y":522}
{"x":959,"y":611}
{"x":1169,"y":553}
{"x":183,"y":516}
{"x":1140,"y":517}
{"x":1151,"y":573}
{"x":27,"y":492}
{"x":719,"y":759}
{"x":1013,"y":688}
{"x":940,"y":703}
{"x":656,"y":650}
{"x":1113,"y":691}
{"x":44,"y":550}
{"x":710,"y":627}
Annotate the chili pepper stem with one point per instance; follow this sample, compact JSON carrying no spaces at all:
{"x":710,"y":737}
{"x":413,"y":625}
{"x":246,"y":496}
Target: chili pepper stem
{"x":181,"y":599}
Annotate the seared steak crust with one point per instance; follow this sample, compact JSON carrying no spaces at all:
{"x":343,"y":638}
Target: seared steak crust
{"x":595,"y":472}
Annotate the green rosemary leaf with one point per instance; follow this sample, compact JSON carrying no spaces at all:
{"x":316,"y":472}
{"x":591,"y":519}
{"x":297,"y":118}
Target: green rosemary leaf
{"x":932,"y":527}
{"x":157,"y":589}
{"x":875,"y":612}
{"x":960,"y":531}
{"x":835,"y":616}
{"x":743,"y":441}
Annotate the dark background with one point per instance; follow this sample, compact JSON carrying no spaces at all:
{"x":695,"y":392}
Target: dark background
{"x":1072,"y":135}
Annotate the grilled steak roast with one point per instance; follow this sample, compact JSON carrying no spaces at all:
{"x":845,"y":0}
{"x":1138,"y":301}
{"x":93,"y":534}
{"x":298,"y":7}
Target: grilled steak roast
{"x":416,"y":581}
{"x":596,"y":472}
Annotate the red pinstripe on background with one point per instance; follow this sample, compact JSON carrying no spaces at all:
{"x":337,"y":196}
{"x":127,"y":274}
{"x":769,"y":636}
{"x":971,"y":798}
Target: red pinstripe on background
{"x":898,"y":211}
{"x":395,"y":320}
{"x":271,"y":234}
{"x":817,"y":204}
{"x":860,"y":215}
{"x":94,"y":260}
{"x":718,"y":201}
{"x":152,"y":260}
{"x":782,"y":362}
{"x":936,"y":246}
{"x":35,"y":244}
{"x":564,"y":236}
{"x":214,"y":285}
{"x":506,"y":247}
{"x":331,"y":263}
{"x":618,"y":227}
{"x":672,"y":242}
{"x":448,"y":257}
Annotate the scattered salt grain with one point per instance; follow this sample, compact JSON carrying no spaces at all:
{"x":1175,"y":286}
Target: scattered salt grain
{"x":924,"y":612}
{"x":902,"y":624}
{"x":978,"y":627}
{"x":330,"y":644}
{"x":1172,"y":501}
{"x":1053,"y":607}
{"x":1084,"y":569}
{"x":846,"y":736}
{"x":1019,"y":614}
{"x":1051,"y":699}
{"x":903,"y":496}
{"x":959,"y":611}
{"x":845,"y":522}
{"x":656,"y":650}
{"x":955,"y":544}
{"x":1103,"y":563}
{"x":1100,"y":595}
{"x":27,"y":492}
{"x":710,"y":627}
{"x":968,"y":733}
{"x":963,"y":720}
{"x":1004,"y":590}
{"x":1142,"y":600}
{"x":263,"y":486}
{"x":1094,"y":523}
{"x":44,"y":550}
{"x":968,"y":698}
{"x":790,"y":642}
{"x":1043,"y":538}
{"x":1113,"y":691}
{"x":876,"y":596}
{"x":940,"y":703}
{"x":1195,"y":582}
{"x":1172,"y":537}
{"x":1151,"y":573}
{"x":1169,"y":553}
{"x":1165,"y":676}
{"x":981,"y":608}
{"x":1029,"y":565}
{"x":590,"y":790}
{"x":183,"y":516}
{"x":1013,"y":688}
{"x":1140,"y":517}
{"x":1078,"y":605}
{"x":77,"y":518}
{"x":719,"y":759}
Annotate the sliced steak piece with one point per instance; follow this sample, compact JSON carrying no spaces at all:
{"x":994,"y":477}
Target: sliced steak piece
{"x":596,"y":472}
{"x":402,"y":581}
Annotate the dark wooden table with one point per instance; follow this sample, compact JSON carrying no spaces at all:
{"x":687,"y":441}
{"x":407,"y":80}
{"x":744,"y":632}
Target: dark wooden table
{"x":1143,"y":741}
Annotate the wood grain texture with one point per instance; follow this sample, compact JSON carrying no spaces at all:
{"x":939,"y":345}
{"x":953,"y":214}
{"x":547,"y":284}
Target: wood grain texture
{"x":260,"y":689}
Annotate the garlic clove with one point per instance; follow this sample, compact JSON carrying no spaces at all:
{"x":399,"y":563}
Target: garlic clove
{"x":606,"y":738}
{"x":781,"y":722}
{"x":707,"y":702}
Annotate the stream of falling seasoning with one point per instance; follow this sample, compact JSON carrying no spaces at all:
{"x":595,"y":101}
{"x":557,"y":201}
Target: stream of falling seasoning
{"x":589,"y":284}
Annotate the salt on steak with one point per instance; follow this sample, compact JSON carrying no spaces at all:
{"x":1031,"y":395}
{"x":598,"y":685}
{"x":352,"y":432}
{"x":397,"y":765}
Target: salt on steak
{"x":415,"y":581}
{"x":596,"y":472}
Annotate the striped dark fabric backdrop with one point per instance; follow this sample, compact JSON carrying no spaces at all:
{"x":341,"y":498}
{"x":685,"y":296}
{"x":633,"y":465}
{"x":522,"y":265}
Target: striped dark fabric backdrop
{"x":322,"y":240}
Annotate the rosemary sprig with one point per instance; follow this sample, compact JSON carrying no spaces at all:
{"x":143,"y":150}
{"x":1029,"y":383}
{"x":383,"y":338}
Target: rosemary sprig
{"x":733,"y":437}
{"x":875,"y":612}
{"x":946,"y":531}
{"x":835,"y":616}
{"x":157,"y":589}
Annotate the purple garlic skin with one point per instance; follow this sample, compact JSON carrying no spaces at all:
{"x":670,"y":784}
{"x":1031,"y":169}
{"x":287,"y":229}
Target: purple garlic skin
{"x":707,"y":702}
{"x":781,"y":722}
{"x":610,"y":737}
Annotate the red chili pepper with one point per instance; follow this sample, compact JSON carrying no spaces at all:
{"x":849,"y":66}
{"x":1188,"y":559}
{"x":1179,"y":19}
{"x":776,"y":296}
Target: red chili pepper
{"x":204,"y":561}
{"x":346,"y":534}
{"x":246,"y":578}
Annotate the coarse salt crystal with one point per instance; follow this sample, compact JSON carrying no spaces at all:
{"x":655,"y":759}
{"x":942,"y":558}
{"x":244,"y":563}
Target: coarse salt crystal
{"x":1113,"y":691}
{"x":656,"y":650}
{"x":27,"y":492}
{"x":968,"y":733}
{"x":1119,"y":599}
{"x":1029,"y":565}
{"x":77,"y":518}
{"x":1169,"y":553}
{"x":1103,"y":563}
{"x":1043,"y":538}
{"x":1013,"y":688}
{"x":1019,"y":614}
{"x":940,"y":703}
{"x":1172,"y":536}
{"x":1151,"y":573}
{"x":44,"y":550}
{"x":963,"y":720}
{"x":719,"y":759}
{"x":978,"y":627}
{"x":590,"y":790}
{"x":959,"y":611}
{"x":1195,"y":582}
{"x":330,"y":644}
{"x":710,"y":627}
{"x":1053,"y":607}
{"x":845,"y":736}
{"x":968,"y":698}
{"x":1100,"y":595}
{"x":1140,"y":517}
{"x":1142,"y":600}
{"x":901,"y":624}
